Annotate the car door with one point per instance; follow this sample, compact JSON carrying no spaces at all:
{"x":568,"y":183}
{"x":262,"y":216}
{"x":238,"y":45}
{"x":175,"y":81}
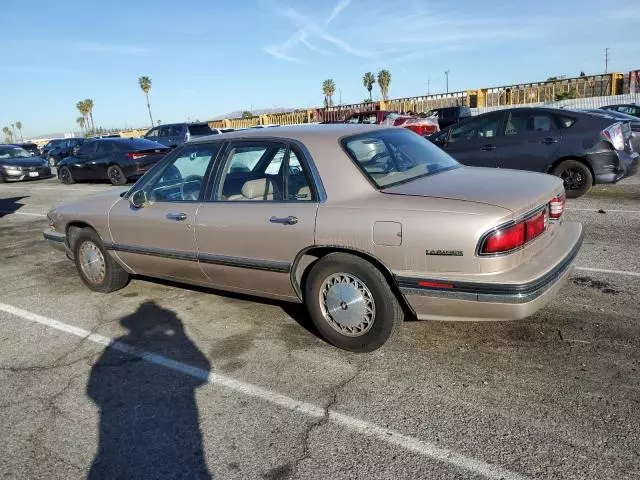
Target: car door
{"x":159,"y":239}
{"x":248,"y":237}
{"x":529,"y":141}
{"x":102,"y":159}
{"x":79,"y":164}
{"x":473,"y":142}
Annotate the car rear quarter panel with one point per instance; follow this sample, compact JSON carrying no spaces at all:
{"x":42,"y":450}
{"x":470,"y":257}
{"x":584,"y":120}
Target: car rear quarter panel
{"x":427,"y":225}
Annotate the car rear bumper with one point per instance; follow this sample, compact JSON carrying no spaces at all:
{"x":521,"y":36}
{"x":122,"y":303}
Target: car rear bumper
{"x":615,"y":166}
{"x":512,"y":295}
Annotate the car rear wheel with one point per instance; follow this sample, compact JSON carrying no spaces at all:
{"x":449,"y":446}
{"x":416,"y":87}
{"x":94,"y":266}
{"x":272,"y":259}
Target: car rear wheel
{"x":97,"y":269}
{"x":576,"y":176}
{"x":116,"y":175}
{"x":65,"y":176}
{"x":351,"y":303}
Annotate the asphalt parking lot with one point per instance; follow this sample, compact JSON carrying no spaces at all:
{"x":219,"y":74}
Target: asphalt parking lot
{"x":202,"y":383}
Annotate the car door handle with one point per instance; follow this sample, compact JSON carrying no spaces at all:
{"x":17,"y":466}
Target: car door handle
{"x":284,"y":221}
{"x":177,"y":216}
{"x":549,"y":141}
{"x":487,"y":147}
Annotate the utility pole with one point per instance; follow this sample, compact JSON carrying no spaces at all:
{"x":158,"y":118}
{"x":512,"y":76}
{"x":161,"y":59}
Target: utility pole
{"x":606,"y":60}
{"x":446,"y":72}
{"x":339,"y":96}
{"x":428,"y":86}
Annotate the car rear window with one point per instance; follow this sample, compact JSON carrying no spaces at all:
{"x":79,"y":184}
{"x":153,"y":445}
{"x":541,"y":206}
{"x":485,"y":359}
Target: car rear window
{"x":201,"y":129}
{"x":394,"y":156}
{"x":137,"y":144}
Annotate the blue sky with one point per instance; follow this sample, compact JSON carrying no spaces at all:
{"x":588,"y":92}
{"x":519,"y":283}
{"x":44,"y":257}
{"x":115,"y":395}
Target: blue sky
{"x":210,"y":57}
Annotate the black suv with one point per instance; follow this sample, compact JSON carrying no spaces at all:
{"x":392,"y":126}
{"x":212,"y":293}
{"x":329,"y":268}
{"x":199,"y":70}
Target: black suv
{"x":175,"y":134}
{"x":61,"y":149}
{"x":449,"y":115}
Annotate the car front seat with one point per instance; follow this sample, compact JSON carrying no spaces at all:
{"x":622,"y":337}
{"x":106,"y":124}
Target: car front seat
{"x":260,"y":189}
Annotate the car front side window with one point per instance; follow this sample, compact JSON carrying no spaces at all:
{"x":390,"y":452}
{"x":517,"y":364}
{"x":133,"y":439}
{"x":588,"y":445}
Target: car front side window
{"x":182,"y":180}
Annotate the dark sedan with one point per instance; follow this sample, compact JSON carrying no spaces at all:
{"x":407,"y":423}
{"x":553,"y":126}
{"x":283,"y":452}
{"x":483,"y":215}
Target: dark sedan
{"x":581,"y":148}
{"x":628,"y":108}
{"x":115,"y":159}
{"x":17,"y":164}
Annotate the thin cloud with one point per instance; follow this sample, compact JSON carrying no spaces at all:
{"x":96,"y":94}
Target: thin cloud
{"x":110,"y":48}
{"x":307,"y":29}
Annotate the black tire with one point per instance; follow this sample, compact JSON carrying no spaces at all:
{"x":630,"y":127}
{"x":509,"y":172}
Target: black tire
{"x":113,"y":278}
{"x":64,"y":174}
{"x":386,"y":322}
{"x":116,"y":175}
{"x":576,"y":176}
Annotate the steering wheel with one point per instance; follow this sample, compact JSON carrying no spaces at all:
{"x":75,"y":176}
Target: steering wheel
{"x":193,"y":195}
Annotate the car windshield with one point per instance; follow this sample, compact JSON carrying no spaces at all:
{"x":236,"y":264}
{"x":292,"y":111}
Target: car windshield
{"x":394,"y":156}
{"x":13,"y":152}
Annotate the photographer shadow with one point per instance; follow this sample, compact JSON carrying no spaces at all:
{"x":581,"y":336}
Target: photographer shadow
{"x":149,"y":423}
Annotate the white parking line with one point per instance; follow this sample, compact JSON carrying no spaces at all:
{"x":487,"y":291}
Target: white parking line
{"x":24,"y":213}
{"x":426,"y":449}
{"x":614,"y":272}
{"x":606,"y":210}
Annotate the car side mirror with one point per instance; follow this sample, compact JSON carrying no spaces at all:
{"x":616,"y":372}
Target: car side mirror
{"x":138,"y":199}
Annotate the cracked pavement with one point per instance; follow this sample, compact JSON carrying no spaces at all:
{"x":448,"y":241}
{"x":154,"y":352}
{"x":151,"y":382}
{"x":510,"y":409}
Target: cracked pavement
{"x":554,"y":396}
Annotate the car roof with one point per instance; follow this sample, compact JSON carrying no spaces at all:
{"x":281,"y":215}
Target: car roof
{"x":329,"y":131}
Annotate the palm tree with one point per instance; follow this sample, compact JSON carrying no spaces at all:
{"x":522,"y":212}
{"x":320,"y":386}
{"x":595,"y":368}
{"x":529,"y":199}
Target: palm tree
{"x":368,"y":80}
{"x":384,"y":79}
{"x":82,"y":108}
{"x":145,"y":85}
{"x":19,"y":127}
{"x":13,"y":130}
{"x":80,"y":122}
{"x":8,"y":137}
{"x":89,"y":106}
{"x":328,"y":89}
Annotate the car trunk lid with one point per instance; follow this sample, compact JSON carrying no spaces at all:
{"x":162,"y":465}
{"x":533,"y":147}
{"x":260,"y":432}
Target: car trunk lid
{"x":144,"y":158}
{"x":513,"y":190}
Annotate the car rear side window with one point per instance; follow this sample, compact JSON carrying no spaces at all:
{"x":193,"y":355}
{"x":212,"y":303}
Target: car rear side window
{"x":200,"y":129}
{"x":521,"y":122}
{"x":565,"y":122}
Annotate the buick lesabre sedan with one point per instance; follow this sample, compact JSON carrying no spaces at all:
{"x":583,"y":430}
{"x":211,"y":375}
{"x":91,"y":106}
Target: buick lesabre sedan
{"x":363,"y":224}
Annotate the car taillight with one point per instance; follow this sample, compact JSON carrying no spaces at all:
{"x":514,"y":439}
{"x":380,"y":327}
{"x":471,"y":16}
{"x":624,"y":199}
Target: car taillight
{"x":510,"y":238}
{"x":556,"y":206}
{"x":614,"y":136}
{"x":134,"y":156}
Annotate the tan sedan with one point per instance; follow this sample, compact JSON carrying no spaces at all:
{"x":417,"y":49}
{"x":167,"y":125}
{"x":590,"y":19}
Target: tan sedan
{"x":364,"y":224}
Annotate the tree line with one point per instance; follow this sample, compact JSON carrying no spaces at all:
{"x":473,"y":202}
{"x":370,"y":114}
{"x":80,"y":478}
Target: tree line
{"x":368,"y":81}
{"x":10,"y":133}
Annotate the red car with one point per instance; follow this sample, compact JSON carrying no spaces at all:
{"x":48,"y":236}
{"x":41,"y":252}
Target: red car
{"x":421,"y":126}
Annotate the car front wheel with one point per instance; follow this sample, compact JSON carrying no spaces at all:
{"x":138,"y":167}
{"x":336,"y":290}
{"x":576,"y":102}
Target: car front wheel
{"x":576,"y":176}
{"x":97,"y":269}
{"x":351,"y":303}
